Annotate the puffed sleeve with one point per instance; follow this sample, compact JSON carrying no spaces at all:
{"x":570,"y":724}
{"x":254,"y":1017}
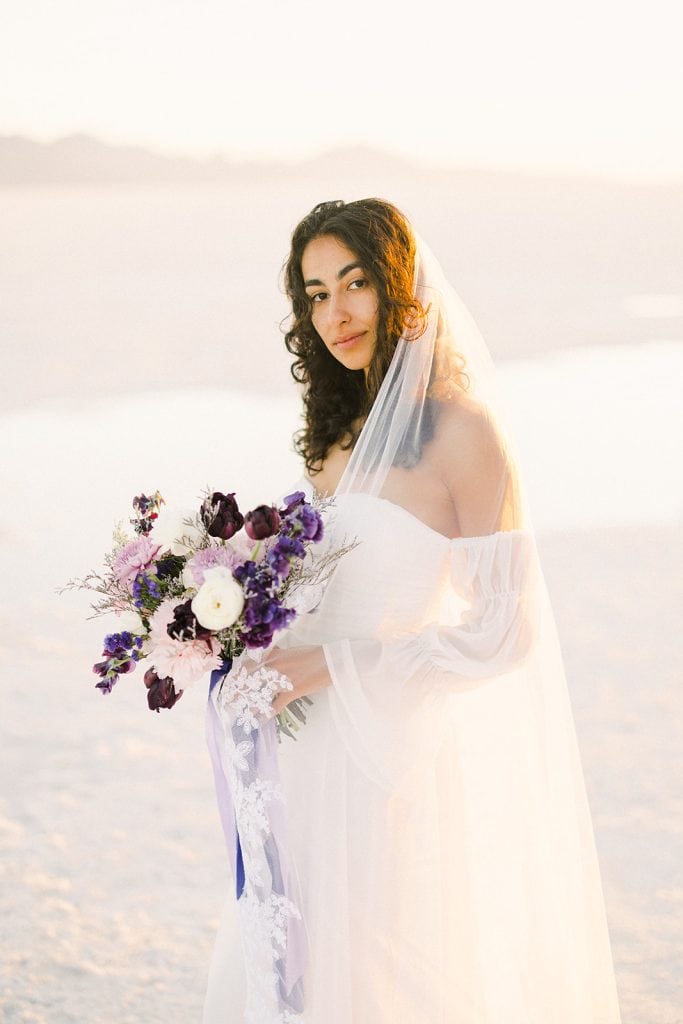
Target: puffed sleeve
{"x":497,"y":577}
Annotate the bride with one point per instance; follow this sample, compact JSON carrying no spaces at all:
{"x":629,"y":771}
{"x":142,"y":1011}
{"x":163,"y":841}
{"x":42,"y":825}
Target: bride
{"x":434,"y":853}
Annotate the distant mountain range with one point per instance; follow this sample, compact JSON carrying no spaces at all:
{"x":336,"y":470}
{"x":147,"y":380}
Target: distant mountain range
{"x":150,"y":257}
{"x":81,"y":158}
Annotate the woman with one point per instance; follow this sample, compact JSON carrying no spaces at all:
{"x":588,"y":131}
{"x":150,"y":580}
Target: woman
{"x":434,"y":858}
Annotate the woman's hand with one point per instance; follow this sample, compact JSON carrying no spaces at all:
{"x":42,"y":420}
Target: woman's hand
{"x":305,"y":667}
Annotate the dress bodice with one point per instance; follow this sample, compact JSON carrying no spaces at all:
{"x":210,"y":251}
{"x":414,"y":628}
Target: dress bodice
{"x":393,"y":582}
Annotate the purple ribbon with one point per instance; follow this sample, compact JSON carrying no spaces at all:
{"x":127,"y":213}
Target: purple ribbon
{"x":263,"y":763}
{"x":226,"y":806}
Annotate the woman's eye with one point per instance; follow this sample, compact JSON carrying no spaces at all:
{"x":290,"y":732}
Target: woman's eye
{"x":358,"y":281}
{"x":318,"y":296}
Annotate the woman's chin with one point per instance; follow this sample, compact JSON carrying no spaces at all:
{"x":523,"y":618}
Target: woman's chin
{"x":354,"y":360}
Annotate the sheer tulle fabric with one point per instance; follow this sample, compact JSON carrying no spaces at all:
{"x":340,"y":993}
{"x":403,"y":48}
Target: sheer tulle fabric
{"x":435,"y":801}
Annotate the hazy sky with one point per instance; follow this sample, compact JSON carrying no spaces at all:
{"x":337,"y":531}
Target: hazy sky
{"x":592,"y":85}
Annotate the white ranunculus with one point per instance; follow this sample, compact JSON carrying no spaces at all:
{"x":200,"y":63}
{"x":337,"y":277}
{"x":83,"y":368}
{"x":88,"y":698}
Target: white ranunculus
{"x":173,"y":533}
{"x":219,"y":601}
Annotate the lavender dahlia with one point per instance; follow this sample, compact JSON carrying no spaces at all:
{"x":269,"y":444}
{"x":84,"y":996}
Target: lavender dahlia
{"x":208,"y":558}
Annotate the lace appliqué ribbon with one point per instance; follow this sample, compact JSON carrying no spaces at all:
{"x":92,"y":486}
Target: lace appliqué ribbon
{"x":242,"y":739}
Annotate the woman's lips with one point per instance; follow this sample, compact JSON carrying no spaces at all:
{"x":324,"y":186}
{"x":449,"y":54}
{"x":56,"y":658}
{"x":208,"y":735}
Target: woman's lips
{"x":349,"y":340}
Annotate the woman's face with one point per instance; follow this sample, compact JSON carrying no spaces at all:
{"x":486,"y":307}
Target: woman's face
{"x":344,"y":304}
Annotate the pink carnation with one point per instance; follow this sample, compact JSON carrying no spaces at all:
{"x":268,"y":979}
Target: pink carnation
{"x":134,"y":557}
{"x":185,"y":661}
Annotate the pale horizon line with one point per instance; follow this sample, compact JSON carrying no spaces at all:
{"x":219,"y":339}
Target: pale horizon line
{"x":534,"y":169}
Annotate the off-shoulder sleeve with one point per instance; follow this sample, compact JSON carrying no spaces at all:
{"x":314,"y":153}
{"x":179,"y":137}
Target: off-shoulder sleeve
{"x":497,"y":576}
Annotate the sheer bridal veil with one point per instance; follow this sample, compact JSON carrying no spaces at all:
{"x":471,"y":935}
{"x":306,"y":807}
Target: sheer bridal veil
{"x":450,"y":698}
{"x":435,"y":801}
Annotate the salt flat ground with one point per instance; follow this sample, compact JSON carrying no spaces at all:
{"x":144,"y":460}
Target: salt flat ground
{"x":111,"y":856}
{"x":110,"y":850}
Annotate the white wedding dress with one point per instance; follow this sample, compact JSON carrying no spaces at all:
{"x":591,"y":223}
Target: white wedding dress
{"x":436,"y":813}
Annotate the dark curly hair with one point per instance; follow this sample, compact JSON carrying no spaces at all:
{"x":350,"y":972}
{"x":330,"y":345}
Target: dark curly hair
{"x":336,"y":400}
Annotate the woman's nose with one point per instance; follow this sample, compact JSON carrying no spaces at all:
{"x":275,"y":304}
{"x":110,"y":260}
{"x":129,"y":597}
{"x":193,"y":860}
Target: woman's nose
{"x":337,"y":310}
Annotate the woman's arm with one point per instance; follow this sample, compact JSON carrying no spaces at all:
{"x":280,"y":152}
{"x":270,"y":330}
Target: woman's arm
{"x":305,"y":667}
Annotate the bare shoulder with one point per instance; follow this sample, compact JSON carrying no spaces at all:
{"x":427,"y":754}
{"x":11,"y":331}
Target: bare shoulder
{"x":467,"y":432}
{"x":477,"y":468}
{"x":325,"y":480}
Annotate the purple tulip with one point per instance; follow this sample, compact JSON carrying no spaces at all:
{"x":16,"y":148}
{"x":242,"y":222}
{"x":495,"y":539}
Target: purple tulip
{"x":262,"y":522}
{"x":161,"y":693}
{"x":221,"y":515}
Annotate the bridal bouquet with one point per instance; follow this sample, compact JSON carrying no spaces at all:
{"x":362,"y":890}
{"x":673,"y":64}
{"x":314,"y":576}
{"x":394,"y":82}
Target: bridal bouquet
{"x":196,"y":590}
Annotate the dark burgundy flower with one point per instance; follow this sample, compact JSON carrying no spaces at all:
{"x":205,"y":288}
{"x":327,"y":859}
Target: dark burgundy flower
{"x":185,"y":625}
{"x":221,"y":515}
{"x":161,"y":693}
{"x":262,"y":522}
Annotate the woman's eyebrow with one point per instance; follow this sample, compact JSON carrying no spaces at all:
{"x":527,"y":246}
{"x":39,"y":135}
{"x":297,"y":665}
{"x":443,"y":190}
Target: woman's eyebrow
{"x":340,"y":273}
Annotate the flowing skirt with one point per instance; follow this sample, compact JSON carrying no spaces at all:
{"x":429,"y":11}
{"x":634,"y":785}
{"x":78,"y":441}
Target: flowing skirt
{"x":465,"y":894}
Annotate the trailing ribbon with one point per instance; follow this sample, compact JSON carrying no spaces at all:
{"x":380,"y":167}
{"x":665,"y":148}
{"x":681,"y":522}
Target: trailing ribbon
{"x":226,"y":806}
{"x":243,"y":748}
